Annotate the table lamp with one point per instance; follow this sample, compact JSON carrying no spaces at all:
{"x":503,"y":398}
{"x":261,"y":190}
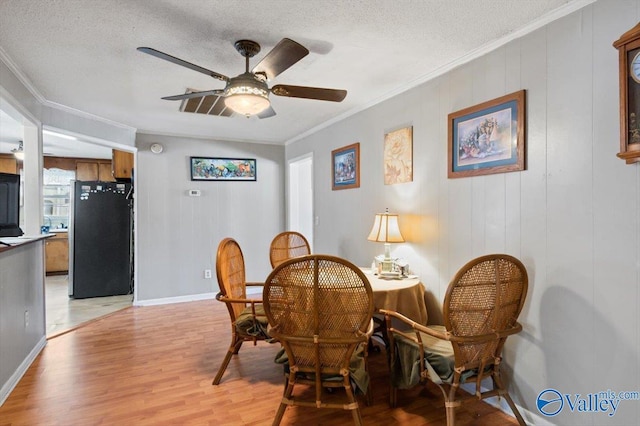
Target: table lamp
{"x":386,"y":230}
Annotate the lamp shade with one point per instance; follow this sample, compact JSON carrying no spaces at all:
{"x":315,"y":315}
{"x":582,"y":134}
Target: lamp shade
{"x":247,"y":103}
{"x":385,"y":229}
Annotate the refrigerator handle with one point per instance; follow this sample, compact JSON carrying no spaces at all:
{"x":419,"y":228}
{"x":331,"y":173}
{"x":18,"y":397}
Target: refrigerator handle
{"x":70,"y":232}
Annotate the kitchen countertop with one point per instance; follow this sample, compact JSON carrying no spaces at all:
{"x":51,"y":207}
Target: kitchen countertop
{"x":7,"y":243}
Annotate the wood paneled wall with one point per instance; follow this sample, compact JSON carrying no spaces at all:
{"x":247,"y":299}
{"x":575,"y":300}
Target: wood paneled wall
{"x":573,"y":217}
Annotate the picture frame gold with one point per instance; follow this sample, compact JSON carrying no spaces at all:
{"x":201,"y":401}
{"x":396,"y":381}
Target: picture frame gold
{"x":345,"y":167}
{"x":488,"y":138}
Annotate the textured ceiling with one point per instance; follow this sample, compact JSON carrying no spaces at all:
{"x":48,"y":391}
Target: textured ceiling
{"x":82,"y":54}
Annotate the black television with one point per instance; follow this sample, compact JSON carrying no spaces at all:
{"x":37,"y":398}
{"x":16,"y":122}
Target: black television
{"x":10,"y":205}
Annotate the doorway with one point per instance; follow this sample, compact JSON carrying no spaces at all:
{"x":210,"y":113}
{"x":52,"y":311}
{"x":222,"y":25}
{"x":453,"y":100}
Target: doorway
{"x":300,"y":203}
{"x":89,"y":162}
{"x":64,"y":314}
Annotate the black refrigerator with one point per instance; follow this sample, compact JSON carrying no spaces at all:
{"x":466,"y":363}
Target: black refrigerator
{"x":100,"y":239}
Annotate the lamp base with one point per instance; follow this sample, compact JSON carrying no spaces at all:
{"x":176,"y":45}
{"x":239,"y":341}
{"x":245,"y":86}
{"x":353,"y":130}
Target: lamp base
{"x":383,"y":264}
{"x":387,"y":265}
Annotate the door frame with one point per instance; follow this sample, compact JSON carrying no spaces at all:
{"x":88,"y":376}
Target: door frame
{"x":291,"y":164}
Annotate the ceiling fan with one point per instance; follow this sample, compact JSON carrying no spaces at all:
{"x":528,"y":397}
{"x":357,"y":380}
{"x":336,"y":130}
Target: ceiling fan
{"x":248,"y":93}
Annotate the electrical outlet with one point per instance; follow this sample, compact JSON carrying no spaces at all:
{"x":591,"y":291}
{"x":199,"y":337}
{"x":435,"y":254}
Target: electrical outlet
{"x":207,"y":273}
{"x":26,"y":319}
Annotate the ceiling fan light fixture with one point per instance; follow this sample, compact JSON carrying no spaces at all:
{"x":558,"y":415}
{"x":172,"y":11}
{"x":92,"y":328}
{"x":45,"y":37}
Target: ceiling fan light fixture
{"x":246,"y":95}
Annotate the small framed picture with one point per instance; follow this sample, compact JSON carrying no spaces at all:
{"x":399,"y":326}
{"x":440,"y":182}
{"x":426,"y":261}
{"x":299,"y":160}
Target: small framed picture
{"x":221,"y":168}
{"x":345,"y":167}
{"x":488,"y":138}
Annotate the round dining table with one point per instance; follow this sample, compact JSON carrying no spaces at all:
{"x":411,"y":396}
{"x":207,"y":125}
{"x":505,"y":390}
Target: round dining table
{"x":403,"y":295}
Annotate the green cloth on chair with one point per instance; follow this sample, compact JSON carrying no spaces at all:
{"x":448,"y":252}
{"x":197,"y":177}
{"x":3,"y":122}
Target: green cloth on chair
{"x":439,"y":360}
{"x":246,"y":325}
{"x":357,"y":371}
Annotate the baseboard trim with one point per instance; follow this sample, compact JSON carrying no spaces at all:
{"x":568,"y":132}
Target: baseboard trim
{"x":501,"y":404}
{"x":10,"y":384}
{"x":177,"y":299}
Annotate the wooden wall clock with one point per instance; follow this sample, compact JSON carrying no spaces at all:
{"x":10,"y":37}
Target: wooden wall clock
{"x":628,"y":46}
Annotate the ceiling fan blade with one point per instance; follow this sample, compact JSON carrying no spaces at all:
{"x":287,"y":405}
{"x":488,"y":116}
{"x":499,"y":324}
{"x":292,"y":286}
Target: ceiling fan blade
{"x":281,"y":57}
{"x":269,"y":112}
{"x":193,"y":95}
{"x":333,"y":95}
{"x":178,"y":61}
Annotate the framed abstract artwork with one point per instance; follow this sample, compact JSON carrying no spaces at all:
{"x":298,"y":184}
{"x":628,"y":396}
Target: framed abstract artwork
{"x":398,"y":156}
{"x":488,"y":138}
{"x":345,"y":167}
{"x":221,"y":168}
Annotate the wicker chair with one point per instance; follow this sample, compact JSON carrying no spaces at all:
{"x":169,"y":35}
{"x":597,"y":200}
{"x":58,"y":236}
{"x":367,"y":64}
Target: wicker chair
{"x":480,"y":310}
{"x":286,"y":245}
{"x":248,"y":322}
{"x":320,"y":308}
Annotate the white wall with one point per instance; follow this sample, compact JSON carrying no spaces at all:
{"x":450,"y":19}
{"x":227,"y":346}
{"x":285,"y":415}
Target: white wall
{"x":22,"y":323}
{"x":573,"y":216}
{"x":178,"y":235}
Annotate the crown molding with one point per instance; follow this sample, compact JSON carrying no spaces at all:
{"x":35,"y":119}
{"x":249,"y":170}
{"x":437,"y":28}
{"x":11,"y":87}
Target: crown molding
{"x":546,"y":19}
{"x":204,"y":137}
{"x":24,"y":80}
{"x":88,"y":115}
{"x":13,"y":67}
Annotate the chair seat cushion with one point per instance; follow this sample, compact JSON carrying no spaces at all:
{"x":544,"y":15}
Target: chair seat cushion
{"x":438,"y":354}
{"x":358,"y":374}
{"x":247,"y":326}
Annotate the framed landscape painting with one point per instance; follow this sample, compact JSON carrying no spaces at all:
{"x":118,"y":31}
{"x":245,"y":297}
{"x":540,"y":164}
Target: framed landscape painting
{"x":221,"y":168}
{"x":345,"y":167}
{"x":488,"y":138}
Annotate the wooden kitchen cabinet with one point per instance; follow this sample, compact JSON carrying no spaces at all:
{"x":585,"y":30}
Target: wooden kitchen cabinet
{"x":8,"y":165}
{"x":104,"y":172}
{"x":122,"y":164}
{"x":94,"y":170}
{"x":57,"y":254}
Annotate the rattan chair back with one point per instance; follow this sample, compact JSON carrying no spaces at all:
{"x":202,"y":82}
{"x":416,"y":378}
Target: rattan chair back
{"x":248,"y":322}
{"x":484,"y":298}
{"x":231,"y":275}
{"x":287,"y":245}
{"x":319,"y":307}
{"x":481,"y":310}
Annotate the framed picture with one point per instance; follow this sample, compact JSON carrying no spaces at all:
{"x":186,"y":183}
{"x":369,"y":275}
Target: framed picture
{"x":488,"y":138}
{"x":220,"y":168}
{"x":345,"y":167}
{"x":628,"y":46}
{"x":398,"y":156}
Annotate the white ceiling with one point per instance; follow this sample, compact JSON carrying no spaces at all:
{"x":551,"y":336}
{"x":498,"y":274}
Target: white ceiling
{"x":82,"y":54}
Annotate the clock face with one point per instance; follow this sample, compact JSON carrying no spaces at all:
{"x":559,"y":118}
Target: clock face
{"x":634,"y":68}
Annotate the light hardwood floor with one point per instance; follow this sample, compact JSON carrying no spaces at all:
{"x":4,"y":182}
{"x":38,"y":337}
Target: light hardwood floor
{"x":154,"y":366}
{"x":64,"y":313}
